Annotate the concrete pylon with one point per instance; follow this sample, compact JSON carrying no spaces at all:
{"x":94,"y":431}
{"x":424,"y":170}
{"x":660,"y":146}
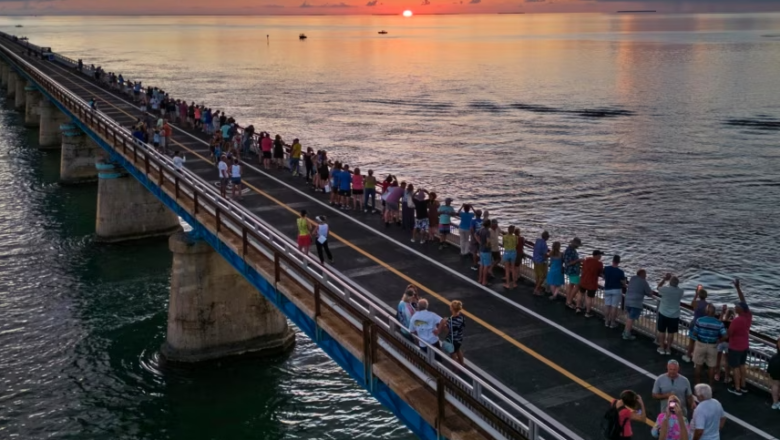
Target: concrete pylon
{"x":32,"y":101}
{"x":128,"y":211}
{"x":11,"y":87}
{"x":3,"y":74}
{"x":19,"y":94}
{"x":79,"y":152}
{"x":49,"y":136}
{"x":214,"y":312}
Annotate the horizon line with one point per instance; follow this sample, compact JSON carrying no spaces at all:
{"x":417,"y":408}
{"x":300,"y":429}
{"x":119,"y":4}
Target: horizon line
{"x":399,"y":14}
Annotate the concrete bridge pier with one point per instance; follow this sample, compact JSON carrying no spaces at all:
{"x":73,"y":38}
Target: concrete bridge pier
{"x":77,"y":163}
{"x":50,"y":119}
{"x":19,"y":94}
{"x":126,"y":210}
{"x":11,"y":87}
{"x":214,"y":312}
{"x":3,"y":74}
{"x":32,"y":101}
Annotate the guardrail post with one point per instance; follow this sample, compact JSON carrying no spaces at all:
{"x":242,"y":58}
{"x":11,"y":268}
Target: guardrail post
{"x":196,"y":201}
{"x":368,"y":360}
{"x":244,"y":242}
{"x":277,"y":271}
{"x":440,"y":405}
{"x":219,"y":219}
{"x":317,"y":301}
{"x":176,"y":186}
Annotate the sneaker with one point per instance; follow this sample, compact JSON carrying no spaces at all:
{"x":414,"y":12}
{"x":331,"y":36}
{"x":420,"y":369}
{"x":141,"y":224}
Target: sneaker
{"x":613,"y":325}
{"x":661,"y":350}
{"x":588,"y":315}
{"x":776,"y":406}
{"x":413,"y":240}
{"x":474,"y":267}
{"x":668,"y":352}
{"x":733,"y":390}
{"x":686,"y":358}
{"x":744,"y":390}
{"x":628,"y":337}
{"x":606,"y":324}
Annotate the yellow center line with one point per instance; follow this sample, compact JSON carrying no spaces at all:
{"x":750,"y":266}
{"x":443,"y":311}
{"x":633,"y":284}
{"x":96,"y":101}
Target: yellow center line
{"x":422,"y":287}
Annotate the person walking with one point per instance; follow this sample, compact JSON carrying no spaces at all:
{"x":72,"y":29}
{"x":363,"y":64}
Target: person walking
{"x":456,"y":324}
{"x":465,"y":214}
{"x":614,"y":284}
{"x":394,"y":193}
{"x":707,"y":332}
{"x":555,"y":272}
{"x":672,"y":383}
{"x":572,"y":264}
{"x":322,"y":239}
{"x":708,"y":417}
{"x":304,"y":233}
{"x":699,"y":307}
{"x":739,"y":342}
{"x":638,"y":288}
{"x":235,"y":179}
{"x":541,"y":252}
{"x":668,"y":313}
{"x":671,"y":424}
{"x":592,"y":269}
{"x":426,"y":325}
{"x":630,"y":408}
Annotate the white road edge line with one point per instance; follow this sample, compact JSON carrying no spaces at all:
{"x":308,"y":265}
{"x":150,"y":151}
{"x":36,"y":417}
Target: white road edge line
{"x":564,"y":330}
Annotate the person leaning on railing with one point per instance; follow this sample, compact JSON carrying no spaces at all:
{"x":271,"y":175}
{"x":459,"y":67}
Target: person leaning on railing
{"x":638,"y":289}
{"x":739,"y":342}
{"x":773,"y":368}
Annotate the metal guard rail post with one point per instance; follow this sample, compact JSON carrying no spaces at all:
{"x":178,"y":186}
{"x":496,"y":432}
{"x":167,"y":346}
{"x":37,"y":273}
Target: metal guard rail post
{"x":477,"y":398}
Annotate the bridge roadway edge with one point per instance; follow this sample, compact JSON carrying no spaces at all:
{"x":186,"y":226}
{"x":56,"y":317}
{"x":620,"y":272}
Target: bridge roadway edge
{"x":338,"y":353}
{"x":639,"y":359}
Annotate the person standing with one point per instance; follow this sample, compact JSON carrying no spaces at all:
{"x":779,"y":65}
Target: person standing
{"x":266,"y":145}
{"x":345,"y":187}
{"x":322,"y":239}
{"x":224,"y":177}
{"x":668,"y":313}
{"x":405,"y":310}
{"x":555,"y":273}
{"x":614,"y":284}
{"x":510,"y":257}
{"x":672,"y":383}
{"x":707,"y":331}
{"x":407,"y":208}
{"x":370,"y":192}
{"x":485,"y":256}
{"x":638,"y":288}
{"x":357,"y":190}
{"x":708,"y":417}
{"x":235,"y":179}
{"x":426,"y":325}
{"x":178,"y":161}
{"x":394,"y":193}
{"x":464,"y":227}
{"x":304,"y":233}
{"x":671,"y":424}
{"x":446,"y":212}
{"x":457,"y":324}
{"x":699,"y":306}
{"x":592,"y":269}
{"x":295,"y":157}
{"x":630,"y":408}
{"x":773,"y":368}
{"x":421,"y":216}
{"x":433,"y":216}
{"x":739,"y":342}
{"x":541,"y":252}
{"x":572,"y":264}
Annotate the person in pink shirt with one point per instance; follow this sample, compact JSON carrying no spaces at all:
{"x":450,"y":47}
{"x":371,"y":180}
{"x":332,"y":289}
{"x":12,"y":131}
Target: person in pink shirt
{"x":266,"y":144}
{"x":357,"y":190}
{"x":739,"y":342}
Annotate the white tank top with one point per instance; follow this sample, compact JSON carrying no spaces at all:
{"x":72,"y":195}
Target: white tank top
{"x":322,"y":231}
{"x":235,"y":170}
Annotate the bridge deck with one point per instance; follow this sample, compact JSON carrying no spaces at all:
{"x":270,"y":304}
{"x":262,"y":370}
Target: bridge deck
{"x":509,"y":334}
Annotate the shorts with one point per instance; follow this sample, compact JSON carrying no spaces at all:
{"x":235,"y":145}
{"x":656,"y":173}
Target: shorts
{"x":266,"y":154}
{"x":392,"y":206}
{"x":421,"y":224}
{"x":156,"y":144}
{"x":496,"y":256}
{"x":223,"y":182}
{"x":540,"y":271}
{"x":633,"y":312}
{"x":668,"y":325}
{"x":357,"y":192}
{"x":236,"y":180}
{"x":345,"y":192}
{"x":705,"y":354}
{"x":574,"y":279}
{"x":444,"y":229}
{"x":590,"y":292}
{"x":456,"y":345}
{"x":304,"y":240}
{"x":510,"y":256}
{"x":723,"y":347}
{"x":737,"y":358}
{"x":612,"y":297}
{"x":485,"y":258}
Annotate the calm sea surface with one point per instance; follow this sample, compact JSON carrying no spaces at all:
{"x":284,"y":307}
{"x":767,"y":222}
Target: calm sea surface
{"x":651,"y":136}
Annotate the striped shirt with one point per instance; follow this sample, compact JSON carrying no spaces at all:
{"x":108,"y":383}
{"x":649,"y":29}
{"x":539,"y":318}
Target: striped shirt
{"x":708,"y":330}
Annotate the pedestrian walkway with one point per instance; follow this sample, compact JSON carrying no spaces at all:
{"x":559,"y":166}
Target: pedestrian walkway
{"x":569,"y":368}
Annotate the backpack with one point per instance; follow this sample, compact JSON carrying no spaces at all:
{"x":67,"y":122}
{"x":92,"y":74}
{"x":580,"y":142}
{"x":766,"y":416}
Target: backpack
{"x":611,"y":426}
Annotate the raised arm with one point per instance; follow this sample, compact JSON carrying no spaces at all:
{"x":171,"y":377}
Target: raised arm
{"x":639,"y":416}
{"x":739,"y":291}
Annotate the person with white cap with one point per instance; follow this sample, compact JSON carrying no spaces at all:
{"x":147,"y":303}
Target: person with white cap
{"x":322,"y":239}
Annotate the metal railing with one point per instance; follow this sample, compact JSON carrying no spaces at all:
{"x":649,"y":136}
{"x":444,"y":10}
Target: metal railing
{"x":478,"y":397}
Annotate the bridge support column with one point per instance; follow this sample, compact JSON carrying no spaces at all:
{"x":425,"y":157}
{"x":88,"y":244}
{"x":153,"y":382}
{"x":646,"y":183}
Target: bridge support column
{"x":19,"y":94}
{"x":3,"y":74}
{"x":12,"y":78}
{"x":50,"y":120}
{"x":32,"y":101}
{"x":77,"y":163}
{"x":128,"y":211}
{"x":214,"y":312}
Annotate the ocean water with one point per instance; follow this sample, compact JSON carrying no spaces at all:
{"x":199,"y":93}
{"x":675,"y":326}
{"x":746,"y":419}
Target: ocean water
{"x":655,"y":137}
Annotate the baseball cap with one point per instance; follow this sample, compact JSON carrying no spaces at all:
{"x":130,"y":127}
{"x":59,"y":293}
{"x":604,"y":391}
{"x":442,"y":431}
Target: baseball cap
{"x":448,"y":199}
{"x":597,"y":252}
{"x":743,"y":305}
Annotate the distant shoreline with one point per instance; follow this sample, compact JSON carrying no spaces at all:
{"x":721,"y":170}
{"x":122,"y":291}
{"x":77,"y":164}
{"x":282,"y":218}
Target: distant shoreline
{"x":637,"y":12}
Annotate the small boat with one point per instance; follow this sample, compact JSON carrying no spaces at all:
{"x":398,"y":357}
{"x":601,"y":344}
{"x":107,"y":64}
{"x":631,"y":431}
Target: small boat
{"x":382,"y":32}
{"x":302,"y":37}
{"x":18,"y":25}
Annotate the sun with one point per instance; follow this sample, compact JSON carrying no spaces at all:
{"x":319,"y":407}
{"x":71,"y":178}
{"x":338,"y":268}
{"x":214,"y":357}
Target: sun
{"x":407,"y":13}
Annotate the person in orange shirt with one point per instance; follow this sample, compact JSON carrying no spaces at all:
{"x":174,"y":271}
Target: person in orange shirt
{"x":592,"y":269}
{"x":167,"y":133}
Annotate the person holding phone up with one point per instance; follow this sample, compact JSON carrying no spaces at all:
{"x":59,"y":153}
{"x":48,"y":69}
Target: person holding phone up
{"x":671,"y":424}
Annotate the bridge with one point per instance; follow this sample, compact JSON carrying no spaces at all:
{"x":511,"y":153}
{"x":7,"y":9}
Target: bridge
{"x":531,"y":372}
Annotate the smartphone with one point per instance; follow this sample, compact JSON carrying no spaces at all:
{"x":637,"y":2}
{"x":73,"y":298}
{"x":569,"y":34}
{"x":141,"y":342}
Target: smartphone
{"x":672,"y":406}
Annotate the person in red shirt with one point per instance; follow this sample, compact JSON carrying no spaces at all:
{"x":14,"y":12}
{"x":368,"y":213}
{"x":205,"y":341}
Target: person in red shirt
{"x":630,"y":408}
{"x":739,"y":342}
{"x":592,"y":268}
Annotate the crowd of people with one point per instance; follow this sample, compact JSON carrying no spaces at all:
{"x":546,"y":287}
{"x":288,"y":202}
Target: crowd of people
{"x":718,"y":337}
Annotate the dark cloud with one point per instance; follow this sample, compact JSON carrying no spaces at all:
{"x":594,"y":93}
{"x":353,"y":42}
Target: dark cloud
{"x":372,"y":3}
{"x":535,"y":1}
{"x":306,"y":4}
{"x":475,"y":2}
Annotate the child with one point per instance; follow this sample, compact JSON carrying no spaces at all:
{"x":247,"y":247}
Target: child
{"x":726,"y":315}
{"x":156,"y":140}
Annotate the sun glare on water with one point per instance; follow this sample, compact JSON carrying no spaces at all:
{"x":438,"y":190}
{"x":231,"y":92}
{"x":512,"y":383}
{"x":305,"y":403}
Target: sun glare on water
{"x":407,"y":13}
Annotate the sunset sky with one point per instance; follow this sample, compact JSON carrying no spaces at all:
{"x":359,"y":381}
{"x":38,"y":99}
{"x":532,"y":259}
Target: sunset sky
{"x":335,"y":7}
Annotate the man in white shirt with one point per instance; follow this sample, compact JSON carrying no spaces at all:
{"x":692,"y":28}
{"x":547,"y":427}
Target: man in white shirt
{"x":224,"y":178}
{"x":426,"y":325}
{"x":708,"y":417}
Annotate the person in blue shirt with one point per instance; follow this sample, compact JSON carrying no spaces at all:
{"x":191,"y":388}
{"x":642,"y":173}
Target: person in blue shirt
{"x":345,"y":187}
{"x":476,"y":224}
{"x":614,"y":283}
{"x":541,"y":251}
{"x":707,"y":331}
{"x":464,"y":228}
